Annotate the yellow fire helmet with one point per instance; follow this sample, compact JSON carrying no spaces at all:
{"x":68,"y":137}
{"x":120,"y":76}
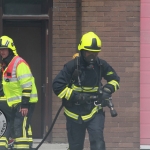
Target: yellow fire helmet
{"x":75,"y":55}
{"x":7,"y":42}
{"x":90,"y":42}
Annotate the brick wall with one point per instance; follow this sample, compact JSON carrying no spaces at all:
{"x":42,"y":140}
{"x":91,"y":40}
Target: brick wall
{"x":64,"y":46}
{"x":117,"y":24}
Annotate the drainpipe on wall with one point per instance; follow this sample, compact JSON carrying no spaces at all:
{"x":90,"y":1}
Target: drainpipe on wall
{"x":78,"y":21}
{"x":1,"y":21}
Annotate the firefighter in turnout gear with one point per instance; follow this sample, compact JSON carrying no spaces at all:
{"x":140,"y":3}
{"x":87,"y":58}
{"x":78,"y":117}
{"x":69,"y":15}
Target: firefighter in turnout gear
{"x":20,"y":92}
{"x":78,"y":85}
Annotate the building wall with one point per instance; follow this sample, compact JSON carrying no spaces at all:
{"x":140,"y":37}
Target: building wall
{"x":64,"y":46}
{"x":145,"y":73}
{"x":117,"y":24}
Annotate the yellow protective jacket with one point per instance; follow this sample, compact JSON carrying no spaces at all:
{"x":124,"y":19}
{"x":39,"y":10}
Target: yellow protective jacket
{"x":17,"y":77}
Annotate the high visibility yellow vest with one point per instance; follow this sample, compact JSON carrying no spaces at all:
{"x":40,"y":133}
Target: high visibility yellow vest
{"x":16,"y":77}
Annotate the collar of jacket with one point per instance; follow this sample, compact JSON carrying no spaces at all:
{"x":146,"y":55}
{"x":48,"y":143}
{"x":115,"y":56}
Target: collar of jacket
{"x":7,"y":60}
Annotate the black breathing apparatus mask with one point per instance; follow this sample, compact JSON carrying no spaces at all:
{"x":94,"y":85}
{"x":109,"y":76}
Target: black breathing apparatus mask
{"x":89,"y":58}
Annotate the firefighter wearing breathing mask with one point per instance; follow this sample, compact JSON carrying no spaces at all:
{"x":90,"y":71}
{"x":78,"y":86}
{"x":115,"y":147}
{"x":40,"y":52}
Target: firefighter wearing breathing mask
{"x":78,"y":85}
{"x":21,"y":94}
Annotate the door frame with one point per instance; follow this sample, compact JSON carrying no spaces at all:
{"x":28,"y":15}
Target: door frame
{"x":47,"y":22}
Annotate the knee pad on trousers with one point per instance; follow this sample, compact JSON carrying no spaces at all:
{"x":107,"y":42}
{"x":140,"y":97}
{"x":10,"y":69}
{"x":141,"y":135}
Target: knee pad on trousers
{"x":76,"y":147}
{"x":100,"y":146}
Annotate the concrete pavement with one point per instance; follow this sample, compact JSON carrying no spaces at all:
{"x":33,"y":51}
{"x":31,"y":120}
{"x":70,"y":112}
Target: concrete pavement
{"x":50,"y":146}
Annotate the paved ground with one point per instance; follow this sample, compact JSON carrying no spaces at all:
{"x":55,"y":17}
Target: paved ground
{"x":49,"y":146}
{"x":64,"y":146}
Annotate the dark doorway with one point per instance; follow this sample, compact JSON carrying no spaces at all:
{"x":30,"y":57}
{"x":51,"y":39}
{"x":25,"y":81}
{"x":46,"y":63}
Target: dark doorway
{"x":29,"y":24}
{"x":28,"y":38}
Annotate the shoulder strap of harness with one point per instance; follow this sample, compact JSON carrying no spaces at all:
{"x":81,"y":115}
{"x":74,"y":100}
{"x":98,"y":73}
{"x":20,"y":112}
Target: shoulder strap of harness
{"x":100,"y":73}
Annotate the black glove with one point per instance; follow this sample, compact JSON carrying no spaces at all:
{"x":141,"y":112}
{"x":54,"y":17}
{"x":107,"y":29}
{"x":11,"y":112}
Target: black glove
{"x":81,"y":98}
{"x":105,"y":96}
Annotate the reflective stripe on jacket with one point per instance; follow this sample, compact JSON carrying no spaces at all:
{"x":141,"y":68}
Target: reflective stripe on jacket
{"x":3,"y":98}
{"x":87,"y":117}
{"x":16,"y":77}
